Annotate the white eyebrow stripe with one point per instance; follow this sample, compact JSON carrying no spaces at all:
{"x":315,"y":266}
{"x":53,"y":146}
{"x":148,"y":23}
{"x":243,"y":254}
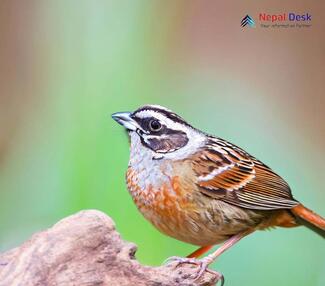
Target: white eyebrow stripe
{"x":163,"y":119}
{"x":215,"y":173}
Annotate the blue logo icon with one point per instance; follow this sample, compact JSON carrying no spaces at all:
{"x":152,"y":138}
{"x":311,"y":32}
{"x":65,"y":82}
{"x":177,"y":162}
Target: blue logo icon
{"x":247,"y":20}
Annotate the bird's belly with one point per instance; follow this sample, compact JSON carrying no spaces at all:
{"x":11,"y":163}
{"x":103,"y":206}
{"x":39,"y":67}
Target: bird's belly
{"x":183,"y":214}
{"x":186,"y":225}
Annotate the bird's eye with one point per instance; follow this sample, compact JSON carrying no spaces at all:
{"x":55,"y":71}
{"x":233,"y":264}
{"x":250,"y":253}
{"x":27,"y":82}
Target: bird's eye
{"x":155,"y":125}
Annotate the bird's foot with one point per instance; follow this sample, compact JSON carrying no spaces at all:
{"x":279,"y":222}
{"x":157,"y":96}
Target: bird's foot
{"x":202,"y":264}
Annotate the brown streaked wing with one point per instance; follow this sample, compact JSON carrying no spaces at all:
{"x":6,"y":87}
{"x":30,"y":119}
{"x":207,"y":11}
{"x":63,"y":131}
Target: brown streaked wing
{"x":228,"y":173}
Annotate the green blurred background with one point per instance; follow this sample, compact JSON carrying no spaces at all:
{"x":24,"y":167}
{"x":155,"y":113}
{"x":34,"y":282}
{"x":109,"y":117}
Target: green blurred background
{"x":65,"y":66}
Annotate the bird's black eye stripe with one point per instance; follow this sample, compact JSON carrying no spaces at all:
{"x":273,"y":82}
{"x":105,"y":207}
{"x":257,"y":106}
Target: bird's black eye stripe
{"x":150,"y":124}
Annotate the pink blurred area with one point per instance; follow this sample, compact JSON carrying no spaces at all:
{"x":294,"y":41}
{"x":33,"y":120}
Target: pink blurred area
{"x":21,"y":72}
{"x":286,"y":65}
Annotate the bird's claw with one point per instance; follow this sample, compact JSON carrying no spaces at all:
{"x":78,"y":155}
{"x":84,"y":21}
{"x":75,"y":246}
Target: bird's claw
{"x":202,"y":267}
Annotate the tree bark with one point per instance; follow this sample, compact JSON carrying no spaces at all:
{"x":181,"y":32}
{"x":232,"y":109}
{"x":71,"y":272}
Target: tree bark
{"x":85,"y":249}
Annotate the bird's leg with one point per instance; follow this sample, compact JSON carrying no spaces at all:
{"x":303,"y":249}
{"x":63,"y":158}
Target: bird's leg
{"x":197,"y":253}
{"x":206,"y":261}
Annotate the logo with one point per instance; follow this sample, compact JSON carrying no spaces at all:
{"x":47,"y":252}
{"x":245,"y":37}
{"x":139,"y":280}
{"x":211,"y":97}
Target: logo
{"x":247,"y":20}
{"x":278,"y":20}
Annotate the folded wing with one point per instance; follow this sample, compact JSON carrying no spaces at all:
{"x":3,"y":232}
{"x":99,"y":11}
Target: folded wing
{"x":228,"y":173}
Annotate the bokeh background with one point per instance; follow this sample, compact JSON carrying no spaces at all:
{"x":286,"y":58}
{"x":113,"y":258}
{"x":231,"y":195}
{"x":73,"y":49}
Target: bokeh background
{"x":65,"y":66}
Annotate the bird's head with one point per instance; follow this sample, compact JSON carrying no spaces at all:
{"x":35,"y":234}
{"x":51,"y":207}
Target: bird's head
{"x":160,"y":131}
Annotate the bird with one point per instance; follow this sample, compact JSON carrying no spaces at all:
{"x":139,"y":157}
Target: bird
{"x":201,"y":189}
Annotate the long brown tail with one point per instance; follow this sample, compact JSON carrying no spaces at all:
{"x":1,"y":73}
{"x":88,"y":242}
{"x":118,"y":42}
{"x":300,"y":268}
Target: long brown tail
{"x":309,"y":219}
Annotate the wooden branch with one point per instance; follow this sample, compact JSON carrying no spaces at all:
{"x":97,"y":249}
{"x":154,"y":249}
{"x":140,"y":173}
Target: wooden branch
{"x":85,"y":249}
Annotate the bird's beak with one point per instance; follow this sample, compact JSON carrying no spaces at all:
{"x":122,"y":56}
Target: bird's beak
{"x":124,"y":118}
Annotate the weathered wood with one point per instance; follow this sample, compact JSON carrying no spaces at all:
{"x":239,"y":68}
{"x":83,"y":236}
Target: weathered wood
{"x":85,"y":249}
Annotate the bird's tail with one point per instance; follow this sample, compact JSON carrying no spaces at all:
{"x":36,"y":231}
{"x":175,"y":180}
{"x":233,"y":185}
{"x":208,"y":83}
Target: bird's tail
{"x":309,"y":219}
